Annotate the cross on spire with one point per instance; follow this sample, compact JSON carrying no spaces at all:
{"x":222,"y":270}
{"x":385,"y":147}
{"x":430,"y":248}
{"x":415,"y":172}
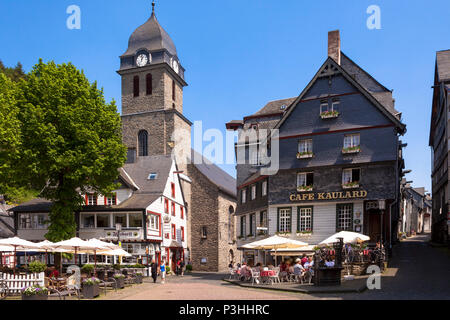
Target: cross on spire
{"x":153,"y":6}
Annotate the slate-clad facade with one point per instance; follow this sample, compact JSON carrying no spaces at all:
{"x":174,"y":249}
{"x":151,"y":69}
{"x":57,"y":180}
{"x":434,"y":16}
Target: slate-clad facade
{"x":439,"y":136}
{"x":339,"y":155}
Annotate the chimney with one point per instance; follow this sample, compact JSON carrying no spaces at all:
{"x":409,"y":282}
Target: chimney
{"x":334,"y":46}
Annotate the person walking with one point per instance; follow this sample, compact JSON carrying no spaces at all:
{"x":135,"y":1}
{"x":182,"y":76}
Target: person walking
{"x":162,"y":270}
{"x":154,"y":268}
{"x":182,"y":267}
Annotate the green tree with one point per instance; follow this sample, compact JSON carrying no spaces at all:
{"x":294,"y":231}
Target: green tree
{"x":15,"y":74}
{"x":10,"y":128}
{"x":72,"y":141}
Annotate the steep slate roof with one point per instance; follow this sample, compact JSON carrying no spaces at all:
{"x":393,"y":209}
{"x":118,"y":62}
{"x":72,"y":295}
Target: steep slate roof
{"x":150,"y":36}
{"x":274,"y":106}
{"x":6,"y":222}
{"x":213,"y":173}
{"x":443,"y":65}
{"x":332,"y":64}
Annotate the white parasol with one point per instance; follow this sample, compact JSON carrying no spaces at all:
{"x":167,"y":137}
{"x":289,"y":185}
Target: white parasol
{"x":348,"y":237}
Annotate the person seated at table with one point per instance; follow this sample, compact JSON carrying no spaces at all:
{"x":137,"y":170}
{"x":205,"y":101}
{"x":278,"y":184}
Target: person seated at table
{"x":309,"y":264}
{"x":304,"y":259}
{"x":298,"y":268}
{"x":290,"y":268}
{"x":54,"y":273}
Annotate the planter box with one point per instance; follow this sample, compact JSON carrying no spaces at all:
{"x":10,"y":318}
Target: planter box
{"x":351,"y":151}
{"x":35,"y":297}
{"x":90,"y":291}
{"x":350,"y":187}
{"x":304,"y":156}
{"x":328,"y":277}
{"x":138,"y":279}
{"x":120,"y":283}
{"x":304,"y":189}
{"x":329,"y":116}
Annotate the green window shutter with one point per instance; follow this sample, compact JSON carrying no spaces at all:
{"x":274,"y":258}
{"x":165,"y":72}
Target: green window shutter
{"x":278,"y":220}
{"x":298,"y":218}
{"x":337,"y":216}
{"x":290,"y":214}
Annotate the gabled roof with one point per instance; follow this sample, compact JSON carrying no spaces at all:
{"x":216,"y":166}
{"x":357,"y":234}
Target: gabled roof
{"x":330,"y":67}
{"x":213,"y":173}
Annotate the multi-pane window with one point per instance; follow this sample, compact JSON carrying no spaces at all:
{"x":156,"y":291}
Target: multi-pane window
{"x":351,"y":140}
{"x":252,"y":225}
{"x":305,"y":179}
{"x":135,"y":220}
{"x":88,"y":220}
{"x":344,"y":219}
{"x":253,"y":188}
{"x":91,"y":200}
{"x":153,"y":222}
{"x":305,"y":146}
{"x":243,"y":226}
{"x":111,"y":200}
{"x":326,"y":107}
{"x":305,"y":218}
{"x":284,"y":220}
{"x":25,"y":221}
{"x":244,"y":195}
{"x":264,"y":188}
{"x":350,"y":175}
{"x":120,"y":218}
{"x":103,"y":220}
{"x":143,"y":143}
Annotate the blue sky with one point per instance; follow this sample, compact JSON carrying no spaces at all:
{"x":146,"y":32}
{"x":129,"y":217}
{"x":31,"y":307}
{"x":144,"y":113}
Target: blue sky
{"x":238,"y":54}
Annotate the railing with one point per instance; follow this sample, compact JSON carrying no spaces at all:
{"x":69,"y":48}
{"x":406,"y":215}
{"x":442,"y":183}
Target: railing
{"x":17,"y":282}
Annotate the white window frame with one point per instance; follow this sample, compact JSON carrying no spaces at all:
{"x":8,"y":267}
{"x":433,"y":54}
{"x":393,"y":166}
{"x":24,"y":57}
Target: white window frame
{"x":302,"y":178}
{"x":91,"y":198}
{"x":305,"y":145}
{"x":253,"y":192}
{"x":347,"y":175}
{"x":244,"y":195}
{"x":285,"y":222}
{"x":305,"y":218}
{"x":352,"y":140}
{"x":324,"y":105}
{"x":345,"y":217}
{"x":264,"y":188}
{"x":153,"y":222}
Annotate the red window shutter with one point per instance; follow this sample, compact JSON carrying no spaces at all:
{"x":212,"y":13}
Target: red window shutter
{"x":182,"y":212}
{"x":182,"y":233}
{"x":173,"y":232}
{"x":166,"y":206}
{"x":86,"y":199}
{"x":173,"y":208}
{"x":173,"y":190}
{"x":136,"y":86}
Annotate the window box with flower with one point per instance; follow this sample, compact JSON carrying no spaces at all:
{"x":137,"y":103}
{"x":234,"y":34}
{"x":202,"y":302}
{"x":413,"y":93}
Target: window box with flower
{"x":354,"y":149}
{"x":350,"y":185}
{"x":329,"y":114}
{"x":304,"y":188}
{"x":283,"y":234}
{"x":35,"y":292}
{"x":305,"y":155}
{"x":304,"y":233}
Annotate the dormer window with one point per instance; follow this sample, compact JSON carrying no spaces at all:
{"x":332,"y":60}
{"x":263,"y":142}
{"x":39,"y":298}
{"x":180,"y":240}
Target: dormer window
{"x":91,"y":199}
{"x":283,"y":107}
{"x":111,"y":200}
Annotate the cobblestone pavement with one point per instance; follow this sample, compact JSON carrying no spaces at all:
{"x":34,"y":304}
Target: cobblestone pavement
{"x":417,"y":271}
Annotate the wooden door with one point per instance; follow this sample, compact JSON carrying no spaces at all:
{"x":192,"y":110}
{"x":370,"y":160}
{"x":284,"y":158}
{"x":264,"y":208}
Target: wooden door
{"x":374,"y":226}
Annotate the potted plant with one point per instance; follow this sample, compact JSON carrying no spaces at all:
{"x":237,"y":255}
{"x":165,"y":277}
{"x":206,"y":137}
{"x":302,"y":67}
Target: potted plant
{"x":354,"y":149}
{"x":91,"y":288}
{"x":139,"y":277}
{"x":304,"y":155}
{"x":87,"y":269}
{"x":120,"y":280}
{"x":304,"y":232}
{"x":35,"y":292}
{"x":304,"y":188}
{"x":37,"y":267}
{"x":350,"y":185}
{"x":189,"y":268}
{"x":329,"y":114}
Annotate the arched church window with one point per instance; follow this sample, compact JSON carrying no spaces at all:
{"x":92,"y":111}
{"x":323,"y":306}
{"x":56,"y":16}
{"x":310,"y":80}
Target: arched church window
{"x":143,"y":143}
{"x":149,"y":84}
{"x":136,"y":86}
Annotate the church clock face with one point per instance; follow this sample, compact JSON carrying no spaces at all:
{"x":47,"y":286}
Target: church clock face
{"x":175,"y":66}
{"x":141,"y":60}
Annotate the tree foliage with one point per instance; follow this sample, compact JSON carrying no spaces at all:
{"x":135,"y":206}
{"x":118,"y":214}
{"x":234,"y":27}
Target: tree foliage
{"x":71,"y":141}
{"x":15,"y":74}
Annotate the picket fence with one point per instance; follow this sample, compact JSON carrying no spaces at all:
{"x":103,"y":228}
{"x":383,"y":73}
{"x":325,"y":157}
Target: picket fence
{"x":17,"y":282}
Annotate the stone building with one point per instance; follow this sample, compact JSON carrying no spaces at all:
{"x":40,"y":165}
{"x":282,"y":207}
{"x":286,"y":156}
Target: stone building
{"x":158,"y":137}
{"x":415,"y":214}
{"x":439,"y":136}
{"x":340,"y":160}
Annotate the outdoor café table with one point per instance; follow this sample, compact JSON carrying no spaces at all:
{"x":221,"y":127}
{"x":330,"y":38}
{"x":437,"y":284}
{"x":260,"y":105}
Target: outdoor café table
{"x":266,"y":274}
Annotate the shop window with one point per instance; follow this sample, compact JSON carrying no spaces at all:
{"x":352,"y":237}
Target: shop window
{"x":103,"y":220}
{"x":135,"y":220}
{"x":88,"y":220}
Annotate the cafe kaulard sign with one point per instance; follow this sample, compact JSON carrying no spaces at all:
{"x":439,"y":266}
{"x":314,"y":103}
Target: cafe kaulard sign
{"x":339,"y":195}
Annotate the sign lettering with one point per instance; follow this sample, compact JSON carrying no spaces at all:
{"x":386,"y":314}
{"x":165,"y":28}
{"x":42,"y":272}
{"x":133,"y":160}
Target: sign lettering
{"x":338,"y":195}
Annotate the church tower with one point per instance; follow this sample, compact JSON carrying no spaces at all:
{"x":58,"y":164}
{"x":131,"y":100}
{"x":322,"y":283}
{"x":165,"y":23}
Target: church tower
{"x":152,"y":94}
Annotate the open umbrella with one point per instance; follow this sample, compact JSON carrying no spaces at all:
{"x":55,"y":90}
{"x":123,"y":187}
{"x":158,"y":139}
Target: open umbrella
{"x":116,"y":252}
{"x":75,"y":243}
{"x":101,"y":245}
{"x":348,"y":237}
{"x":16,"y":242}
